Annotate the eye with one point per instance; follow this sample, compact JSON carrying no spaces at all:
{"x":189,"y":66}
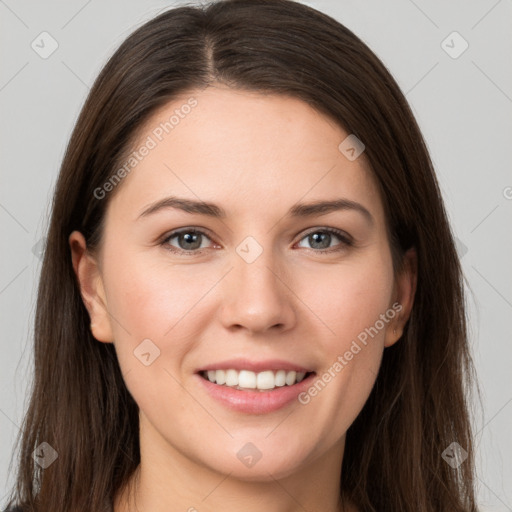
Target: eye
{"x":192,"y":241}
{"x":188,"y":240}
{"x":320,"y":240}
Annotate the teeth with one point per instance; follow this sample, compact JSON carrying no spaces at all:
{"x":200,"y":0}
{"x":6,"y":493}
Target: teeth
{"x":219,"y":376}
{"x":291,"y":378}
{"x":246,"y":379}
{"x":280,"y":378}
{"x":264,"y":380}
{"x":231,"y":378}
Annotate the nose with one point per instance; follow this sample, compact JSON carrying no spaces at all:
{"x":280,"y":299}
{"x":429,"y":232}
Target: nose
{"x":257,"y":297}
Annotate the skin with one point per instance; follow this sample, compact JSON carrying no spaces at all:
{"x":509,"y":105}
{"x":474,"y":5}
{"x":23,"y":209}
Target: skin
{"x":255,"y":156}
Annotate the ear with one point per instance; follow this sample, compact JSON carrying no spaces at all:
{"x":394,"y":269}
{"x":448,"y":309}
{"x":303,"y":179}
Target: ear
{"x":91,"y":287}
{"x":403,"y":295}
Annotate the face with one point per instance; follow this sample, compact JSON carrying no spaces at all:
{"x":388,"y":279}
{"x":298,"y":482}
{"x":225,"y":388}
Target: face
{"x":245,"y":274}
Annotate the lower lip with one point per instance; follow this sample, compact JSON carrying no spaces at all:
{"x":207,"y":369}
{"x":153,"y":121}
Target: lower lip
{"x":255,"y":402}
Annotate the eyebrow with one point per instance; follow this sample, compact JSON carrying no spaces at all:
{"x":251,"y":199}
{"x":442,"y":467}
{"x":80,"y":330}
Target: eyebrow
{"x":298,"y":210}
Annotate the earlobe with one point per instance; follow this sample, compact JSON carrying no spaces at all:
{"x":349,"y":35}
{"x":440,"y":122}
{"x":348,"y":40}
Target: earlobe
{"x":405,"y":290}
{"x":91,"y":287}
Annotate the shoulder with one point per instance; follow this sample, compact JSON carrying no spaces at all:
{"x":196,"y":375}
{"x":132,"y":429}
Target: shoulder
{"x":13,"y":509}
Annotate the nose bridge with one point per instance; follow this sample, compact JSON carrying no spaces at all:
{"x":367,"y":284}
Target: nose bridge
{"x":256,"y":297}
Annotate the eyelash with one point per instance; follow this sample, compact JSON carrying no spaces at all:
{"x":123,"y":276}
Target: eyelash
{"x":346,"y":241}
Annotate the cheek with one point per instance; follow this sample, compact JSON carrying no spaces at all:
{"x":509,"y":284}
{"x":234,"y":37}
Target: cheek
{"x":150,"y":298}
{"x":352,"y":308}
{"x":155,"y":318}
{"x":352,"y":305}
{"x":350,"y":298}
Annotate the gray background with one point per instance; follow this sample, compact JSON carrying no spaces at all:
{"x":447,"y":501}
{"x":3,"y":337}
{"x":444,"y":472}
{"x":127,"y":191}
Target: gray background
{"x":463,"y":106}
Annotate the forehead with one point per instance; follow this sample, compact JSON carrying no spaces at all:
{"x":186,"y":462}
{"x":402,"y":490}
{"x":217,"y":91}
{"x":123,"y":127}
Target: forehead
{"x":248,"y":151}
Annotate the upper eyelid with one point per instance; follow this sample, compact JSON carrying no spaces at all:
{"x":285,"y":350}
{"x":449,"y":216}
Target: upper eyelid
{"x":335,"y":231}
{"x":202,"y":231}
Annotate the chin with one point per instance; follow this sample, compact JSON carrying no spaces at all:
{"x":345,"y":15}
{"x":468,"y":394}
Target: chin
{"x":250,"y":465}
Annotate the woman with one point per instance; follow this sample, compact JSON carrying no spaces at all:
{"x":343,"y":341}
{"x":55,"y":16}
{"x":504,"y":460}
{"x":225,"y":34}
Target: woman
{"x":250,"y":296}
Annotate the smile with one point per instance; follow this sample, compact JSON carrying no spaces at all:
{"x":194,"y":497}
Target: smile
{"x":249,"y":380}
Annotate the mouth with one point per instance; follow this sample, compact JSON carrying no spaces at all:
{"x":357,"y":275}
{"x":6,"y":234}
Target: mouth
{"x":247,"y":380}
{"x":245,"y":385}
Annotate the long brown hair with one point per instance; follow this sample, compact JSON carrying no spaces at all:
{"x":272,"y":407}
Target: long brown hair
{"x":419,"y":405}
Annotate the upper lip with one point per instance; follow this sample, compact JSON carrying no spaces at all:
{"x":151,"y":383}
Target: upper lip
{"x":255,"y":366}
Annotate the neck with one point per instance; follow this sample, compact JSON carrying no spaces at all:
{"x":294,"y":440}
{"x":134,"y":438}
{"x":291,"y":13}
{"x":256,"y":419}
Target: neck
{"x":168,"y":481}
